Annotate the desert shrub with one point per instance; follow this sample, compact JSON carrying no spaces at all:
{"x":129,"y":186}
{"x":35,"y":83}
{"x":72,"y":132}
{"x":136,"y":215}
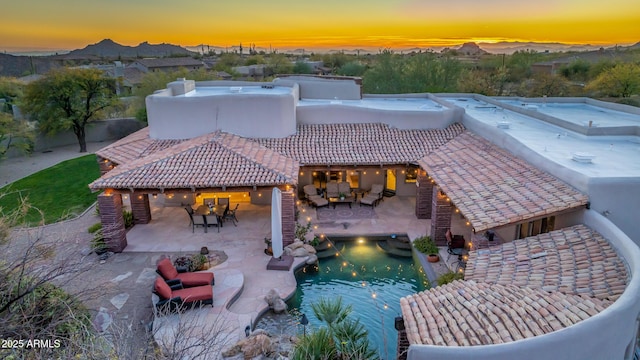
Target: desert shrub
{"x":97,"y":243}
{"x":449,"y":277}
{"x":425,"y":245}
{"x":128,"y":218}
{"x":95,"y":227}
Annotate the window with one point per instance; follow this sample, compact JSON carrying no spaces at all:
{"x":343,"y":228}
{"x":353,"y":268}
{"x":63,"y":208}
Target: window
{"x":533,"y":228}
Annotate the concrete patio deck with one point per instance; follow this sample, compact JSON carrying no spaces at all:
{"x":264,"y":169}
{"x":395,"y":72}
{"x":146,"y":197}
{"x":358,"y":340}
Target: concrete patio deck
{"x":242,"y":281}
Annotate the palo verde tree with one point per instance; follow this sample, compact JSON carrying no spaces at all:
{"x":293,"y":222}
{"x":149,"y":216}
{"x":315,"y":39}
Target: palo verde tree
{"x":69,"y":98}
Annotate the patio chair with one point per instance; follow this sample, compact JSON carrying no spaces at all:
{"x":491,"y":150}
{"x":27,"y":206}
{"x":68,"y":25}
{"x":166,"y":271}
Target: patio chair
{"x":176,"y":296}
{"x":231,"y":215}
{"x":212,"y":220}
{"x":312,"y":197}
{"x":188,"y":279}
{"x":332,"y":190}
{"x":456,"y":245}
{"x":374,"y":196}
{"x":197,"y":220}
{"x":224,"y":202}
{"x":344,"y":188}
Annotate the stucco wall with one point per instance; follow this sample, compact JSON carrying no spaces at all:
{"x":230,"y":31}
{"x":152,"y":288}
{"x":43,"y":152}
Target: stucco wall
{"x":96,"y":131}
{"x":330,"y":113}
{"x":247,"y":115}
{"x":317,"y":88}
{"x":607,"y":335}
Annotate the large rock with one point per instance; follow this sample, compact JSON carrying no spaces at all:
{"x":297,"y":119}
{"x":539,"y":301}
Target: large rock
{"x":312,"y":259}
{"x":310,"y":249}
{"x":255,"y":345}
{"x":279,"y":306}
{"x":300,"y":252}
{"x":275,"y":302}
{"x":296,"y":244}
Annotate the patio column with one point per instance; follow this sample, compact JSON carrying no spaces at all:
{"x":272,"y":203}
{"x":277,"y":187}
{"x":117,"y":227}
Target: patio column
{"x":440,"y":217}
{"x":105,"y":165}
{"x":115,"y":236}
{"x":424,"y":195}
{"x":288,"y":217}
{"x":140,"y":208}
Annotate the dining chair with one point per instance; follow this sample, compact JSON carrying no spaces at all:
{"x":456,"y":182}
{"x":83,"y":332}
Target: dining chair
{"x":212,"y":220}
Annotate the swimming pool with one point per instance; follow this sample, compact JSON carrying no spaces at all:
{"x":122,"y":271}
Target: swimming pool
{"x":366,"y":277}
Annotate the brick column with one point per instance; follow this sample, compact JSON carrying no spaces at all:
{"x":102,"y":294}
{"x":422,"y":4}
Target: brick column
{"x":140,"y":208}
{"x":403,"y":345}
{"x":104,"y":164}
{"x":440,"y":217}
{"x":424,"y":195}
{"x":115,"y":236}
{"x":288,"y":217}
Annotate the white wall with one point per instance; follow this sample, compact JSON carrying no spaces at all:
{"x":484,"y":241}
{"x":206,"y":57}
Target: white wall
{"x":247,"y":115}
{"x":318,"y":88}
{"x":606,"y":335}
{"x":330,"y":113}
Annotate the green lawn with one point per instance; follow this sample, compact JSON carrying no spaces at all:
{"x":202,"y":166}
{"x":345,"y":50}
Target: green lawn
{"x":60,"y":192}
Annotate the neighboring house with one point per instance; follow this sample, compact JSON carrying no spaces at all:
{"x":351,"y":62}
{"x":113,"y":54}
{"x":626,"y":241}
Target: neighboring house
{"x":167,"y":64}
{"x":534,"y":172}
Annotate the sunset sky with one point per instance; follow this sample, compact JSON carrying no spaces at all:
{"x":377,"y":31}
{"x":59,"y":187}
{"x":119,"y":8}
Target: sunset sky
{"x":329,"y":24}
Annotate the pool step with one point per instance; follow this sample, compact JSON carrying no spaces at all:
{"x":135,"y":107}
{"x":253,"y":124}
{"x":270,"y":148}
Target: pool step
{"x":390,"y":247}
{"x":328,"y":252}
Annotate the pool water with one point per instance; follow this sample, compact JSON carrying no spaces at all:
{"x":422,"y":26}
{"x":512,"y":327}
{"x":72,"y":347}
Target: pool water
{"x":366,"y":278}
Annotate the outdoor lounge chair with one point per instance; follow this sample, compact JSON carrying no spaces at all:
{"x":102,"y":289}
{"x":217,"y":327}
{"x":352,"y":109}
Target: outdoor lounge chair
{"x":311,"y":194}
{"x":176,"y":295}
{"x":188,"y":279}
{"x":373,"y":197}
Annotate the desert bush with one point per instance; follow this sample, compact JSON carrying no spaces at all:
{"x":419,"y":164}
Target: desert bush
{"x":449,"y":277}
{"x":425,"y":245}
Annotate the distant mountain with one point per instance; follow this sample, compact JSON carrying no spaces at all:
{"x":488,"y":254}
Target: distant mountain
{"x":507,"y":47}
{"x":110,"y":49}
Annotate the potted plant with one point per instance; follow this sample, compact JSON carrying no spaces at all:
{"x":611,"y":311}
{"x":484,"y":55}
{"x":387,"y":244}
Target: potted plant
{"x":269,"y":249}
{"x":342,"y":196}
{"x":425,"y":245}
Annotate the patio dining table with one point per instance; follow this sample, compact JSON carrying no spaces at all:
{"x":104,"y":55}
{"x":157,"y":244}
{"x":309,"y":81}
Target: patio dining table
{"x":205,"y":210}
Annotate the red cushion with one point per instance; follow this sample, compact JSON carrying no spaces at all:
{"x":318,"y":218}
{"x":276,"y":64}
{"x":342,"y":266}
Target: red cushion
{"x":167,"y":270}
{"x":198,"y":293}
{"x":163,"y":290}
{"x":195,"y":278}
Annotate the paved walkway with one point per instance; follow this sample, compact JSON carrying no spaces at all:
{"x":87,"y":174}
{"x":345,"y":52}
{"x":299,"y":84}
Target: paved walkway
{"x":12,"y":169}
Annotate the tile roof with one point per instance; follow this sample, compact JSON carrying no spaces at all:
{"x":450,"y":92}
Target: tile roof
{"x":493,"y":187}
{"x":575,"y":260}
{"x":470,"y":313}
{"x":208,"y":161}
{"x":360,"y":144}
{"x":134,"y":146}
